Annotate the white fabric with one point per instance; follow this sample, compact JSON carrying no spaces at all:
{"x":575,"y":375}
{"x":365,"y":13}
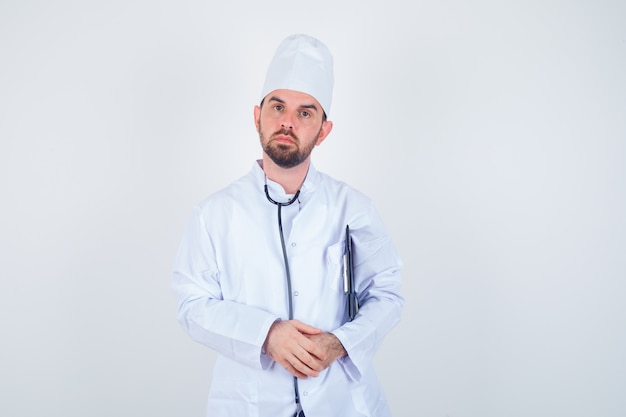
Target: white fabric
{"x":302,"y":63}
{"x":230,"y":283}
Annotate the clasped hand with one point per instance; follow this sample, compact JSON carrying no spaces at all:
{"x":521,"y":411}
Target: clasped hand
{"x":301,"y":349}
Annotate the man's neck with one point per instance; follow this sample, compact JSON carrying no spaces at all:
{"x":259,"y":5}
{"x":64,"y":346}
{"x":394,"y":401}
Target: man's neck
{"x":290,"y":179}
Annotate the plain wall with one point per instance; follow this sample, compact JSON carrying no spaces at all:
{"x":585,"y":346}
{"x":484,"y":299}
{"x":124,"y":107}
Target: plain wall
{"x":491,"y":135}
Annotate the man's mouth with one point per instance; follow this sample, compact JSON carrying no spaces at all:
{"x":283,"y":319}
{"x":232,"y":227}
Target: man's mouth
{"x":284,"y":138}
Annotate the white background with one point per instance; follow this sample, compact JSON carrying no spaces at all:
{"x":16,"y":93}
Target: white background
{"x":491,"y":134}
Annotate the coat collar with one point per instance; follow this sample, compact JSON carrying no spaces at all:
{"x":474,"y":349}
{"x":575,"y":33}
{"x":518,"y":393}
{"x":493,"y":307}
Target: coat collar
{"x":277,"y":191}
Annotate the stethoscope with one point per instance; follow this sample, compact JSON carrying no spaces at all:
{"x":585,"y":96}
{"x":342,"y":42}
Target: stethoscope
{"x":280,"y":205}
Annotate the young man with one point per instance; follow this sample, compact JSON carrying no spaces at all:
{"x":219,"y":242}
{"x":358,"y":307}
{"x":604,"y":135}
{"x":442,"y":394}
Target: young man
{"x":260,"y":274}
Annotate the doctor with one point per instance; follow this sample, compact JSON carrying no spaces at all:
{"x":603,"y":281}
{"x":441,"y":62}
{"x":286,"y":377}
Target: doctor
{"x":259,"y":272}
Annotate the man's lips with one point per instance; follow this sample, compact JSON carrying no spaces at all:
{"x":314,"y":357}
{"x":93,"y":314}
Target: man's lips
{"x":284,"y":139}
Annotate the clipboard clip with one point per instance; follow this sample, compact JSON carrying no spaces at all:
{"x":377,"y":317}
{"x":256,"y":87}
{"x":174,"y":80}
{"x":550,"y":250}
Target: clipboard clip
{"x":352,"y":301}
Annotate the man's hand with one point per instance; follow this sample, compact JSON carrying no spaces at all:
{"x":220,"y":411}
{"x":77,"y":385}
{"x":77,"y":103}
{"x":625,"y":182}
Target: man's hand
{"x":287,"y":343}
{"x":331,"y":347}
{"x":301,"y":349}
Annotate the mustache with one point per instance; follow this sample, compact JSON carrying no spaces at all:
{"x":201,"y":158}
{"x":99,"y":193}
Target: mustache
{"x":286,"y":132}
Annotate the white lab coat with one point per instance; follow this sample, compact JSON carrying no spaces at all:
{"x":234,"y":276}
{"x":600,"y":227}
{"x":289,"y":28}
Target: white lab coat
{"x":229,"y":278}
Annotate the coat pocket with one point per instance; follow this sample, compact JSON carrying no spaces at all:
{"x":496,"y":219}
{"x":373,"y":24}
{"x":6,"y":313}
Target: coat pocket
{"x":334,"y":263}
{"x":233,"y":397}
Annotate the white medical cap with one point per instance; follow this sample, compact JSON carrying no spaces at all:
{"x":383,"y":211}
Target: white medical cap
{"x":302,"y":63}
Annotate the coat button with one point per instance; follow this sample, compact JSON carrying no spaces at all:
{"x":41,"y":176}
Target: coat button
{"x":293,"y":244}
{"x":296,"y":293}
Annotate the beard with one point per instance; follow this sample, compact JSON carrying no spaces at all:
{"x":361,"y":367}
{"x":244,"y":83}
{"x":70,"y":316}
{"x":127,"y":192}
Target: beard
{"x":286,"y":156}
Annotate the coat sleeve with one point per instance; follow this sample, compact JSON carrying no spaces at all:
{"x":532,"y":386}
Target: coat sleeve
{"x":232,"y":329}
{"x":377,"y":269}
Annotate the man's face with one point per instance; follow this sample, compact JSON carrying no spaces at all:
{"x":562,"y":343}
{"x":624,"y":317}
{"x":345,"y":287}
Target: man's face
{"x":290,"y":124}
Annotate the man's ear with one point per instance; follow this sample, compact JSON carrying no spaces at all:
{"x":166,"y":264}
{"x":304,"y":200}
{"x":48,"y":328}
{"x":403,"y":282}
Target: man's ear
{"x":327,"y":126}
{"x":257,"y":117}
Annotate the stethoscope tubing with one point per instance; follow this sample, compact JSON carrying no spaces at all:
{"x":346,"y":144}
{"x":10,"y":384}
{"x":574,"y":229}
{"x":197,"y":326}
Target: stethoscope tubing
{"x":288,"y":275}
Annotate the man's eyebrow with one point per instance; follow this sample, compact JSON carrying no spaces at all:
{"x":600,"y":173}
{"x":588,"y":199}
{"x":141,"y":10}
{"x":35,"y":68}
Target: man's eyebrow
{"x":309,"y":106}
{"x":274,"y":98}
{"x":304,"y":106}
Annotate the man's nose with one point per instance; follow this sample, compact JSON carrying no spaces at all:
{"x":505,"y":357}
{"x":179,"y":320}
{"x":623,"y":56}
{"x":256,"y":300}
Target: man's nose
{"x":287,"y":122}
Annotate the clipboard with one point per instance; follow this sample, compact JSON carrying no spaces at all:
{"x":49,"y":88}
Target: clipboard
{"x":352,"y":301}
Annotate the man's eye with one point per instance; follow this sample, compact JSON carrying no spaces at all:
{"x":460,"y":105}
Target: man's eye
{"x":278,"y":107}
{"x":305,"y":113}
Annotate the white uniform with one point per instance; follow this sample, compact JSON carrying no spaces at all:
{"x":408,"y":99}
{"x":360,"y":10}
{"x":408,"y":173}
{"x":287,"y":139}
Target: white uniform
{"x":230,"y":282}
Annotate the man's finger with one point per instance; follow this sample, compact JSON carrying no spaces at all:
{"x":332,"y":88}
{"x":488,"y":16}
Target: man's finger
{"x":305,"y":328}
